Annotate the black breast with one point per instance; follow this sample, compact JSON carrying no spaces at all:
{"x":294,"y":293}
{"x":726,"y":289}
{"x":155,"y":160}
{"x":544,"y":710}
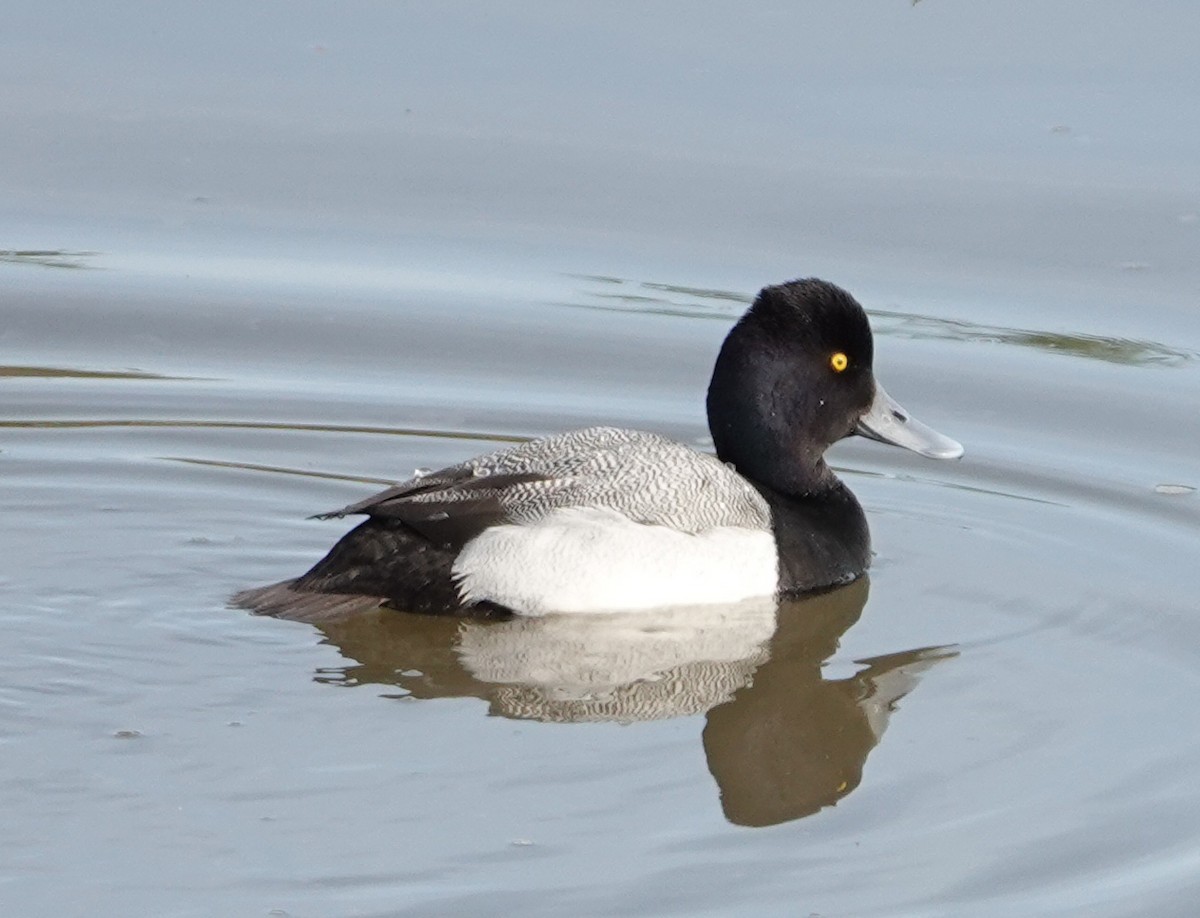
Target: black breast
{"x":822,"y":540}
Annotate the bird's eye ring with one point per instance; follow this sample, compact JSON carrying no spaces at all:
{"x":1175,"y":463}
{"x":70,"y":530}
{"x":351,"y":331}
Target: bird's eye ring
{"x":839,"y":362}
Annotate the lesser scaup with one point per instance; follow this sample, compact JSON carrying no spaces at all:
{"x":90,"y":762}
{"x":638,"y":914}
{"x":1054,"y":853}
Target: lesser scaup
{"x":607,"y":519}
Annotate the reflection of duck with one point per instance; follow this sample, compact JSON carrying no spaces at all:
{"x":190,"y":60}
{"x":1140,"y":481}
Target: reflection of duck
{"x":790,"y":742}
{"x":647,"y":665}
{"x":606,"y":519}
{"x":629,"y":666}
{"x":781,"y":741}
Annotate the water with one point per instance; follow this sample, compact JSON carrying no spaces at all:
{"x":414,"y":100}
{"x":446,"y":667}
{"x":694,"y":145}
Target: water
{"x":251,"y":273}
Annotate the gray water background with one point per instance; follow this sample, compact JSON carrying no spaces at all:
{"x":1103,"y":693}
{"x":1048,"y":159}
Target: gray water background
{"x":258,"y":259}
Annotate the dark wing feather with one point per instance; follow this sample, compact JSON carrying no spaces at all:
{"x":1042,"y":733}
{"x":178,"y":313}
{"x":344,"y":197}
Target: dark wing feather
{"x":435,"y":481}
{"x":449,"y":508}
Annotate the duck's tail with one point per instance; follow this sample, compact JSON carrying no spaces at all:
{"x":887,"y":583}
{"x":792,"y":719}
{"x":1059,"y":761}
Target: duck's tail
{"x":283,"y":600}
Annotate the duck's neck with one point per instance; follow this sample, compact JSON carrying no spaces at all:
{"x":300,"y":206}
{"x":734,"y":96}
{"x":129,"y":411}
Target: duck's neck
{"x":822,"y":539}
{"x":799,"y":474}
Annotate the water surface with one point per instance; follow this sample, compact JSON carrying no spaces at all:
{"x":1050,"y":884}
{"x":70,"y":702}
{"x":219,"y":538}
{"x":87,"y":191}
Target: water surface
{"x":249,"y":274}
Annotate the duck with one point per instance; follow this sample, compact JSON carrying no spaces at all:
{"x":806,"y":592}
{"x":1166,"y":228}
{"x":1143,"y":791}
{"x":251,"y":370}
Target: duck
{"x":608,"y":519}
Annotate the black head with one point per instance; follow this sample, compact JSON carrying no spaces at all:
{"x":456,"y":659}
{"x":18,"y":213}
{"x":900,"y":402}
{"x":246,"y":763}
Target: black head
{"x":793,"y":376}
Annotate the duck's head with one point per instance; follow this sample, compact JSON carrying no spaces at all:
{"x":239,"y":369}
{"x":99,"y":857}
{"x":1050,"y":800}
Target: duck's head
{"x":794,"y":376}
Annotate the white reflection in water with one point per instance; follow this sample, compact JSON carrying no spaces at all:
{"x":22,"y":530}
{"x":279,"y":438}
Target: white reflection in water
{"x":631,"y":666}
{"x":781,"y":740}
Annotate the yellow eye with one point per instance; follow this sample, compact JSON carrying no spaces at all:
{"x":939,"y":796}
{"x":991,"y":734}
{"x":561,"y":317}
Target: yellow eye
{"x":839,"y":362}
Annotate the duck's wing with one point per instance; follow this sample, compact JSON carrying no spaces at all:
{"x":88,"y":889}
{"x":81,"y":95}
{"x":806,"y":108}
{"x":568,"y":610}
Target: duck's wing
{"x":449,"y":507}
{"x":643,"y":476}
{"x":542,"y":459}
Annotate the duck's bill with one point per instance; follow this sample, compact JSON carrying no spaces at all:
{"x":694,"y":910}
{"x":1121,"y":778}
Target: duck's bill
{"x":887,"y":422}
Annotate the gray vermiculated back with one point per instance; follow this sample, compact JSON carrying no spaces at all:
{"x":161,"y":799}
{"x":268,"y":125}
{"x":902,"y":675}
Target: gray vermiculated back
{"x":644,"y":476}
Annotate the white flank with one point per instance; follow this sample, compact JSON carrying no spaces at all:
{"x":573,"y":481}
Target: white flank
{"x":596,"y":560}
